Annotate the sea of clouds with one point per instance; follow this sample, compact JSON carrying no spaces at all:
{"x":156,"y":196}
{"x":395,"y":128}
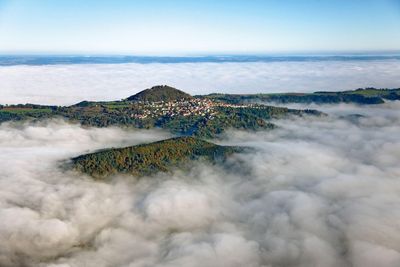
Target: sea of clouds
{"x":315,"y":192}
{"x":72,"y":83}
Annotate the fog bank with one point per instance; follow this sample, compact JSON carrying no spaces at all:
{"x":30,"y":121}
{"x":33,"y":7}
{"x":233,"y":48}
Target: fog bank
{"x":317,"y":192}
{"x":69,"y":84}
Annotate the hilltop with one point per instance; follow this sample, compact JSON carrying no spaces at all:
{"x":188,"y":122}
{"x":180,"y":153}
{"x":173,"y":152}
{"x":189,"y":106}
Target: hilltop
{"x":159,"y":93}
{"x":150,"y":158}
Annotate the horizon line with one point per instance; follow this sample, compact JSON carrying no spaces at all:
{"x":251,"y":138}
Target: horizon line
{"x":209,"y":54}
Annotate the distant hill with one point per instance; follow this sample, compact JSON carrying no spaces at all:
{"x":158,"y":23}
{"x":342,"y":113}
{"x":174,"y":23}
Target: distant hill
{"x":150,"y":158}
{"x":159,"y":93}
{"x":360,"y":96}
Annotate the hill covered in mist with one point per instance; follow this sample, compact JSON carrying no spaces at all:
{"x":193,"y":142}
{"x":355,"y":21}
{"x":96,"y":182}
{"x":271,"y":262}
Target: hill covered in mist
{"x":147,"y":159}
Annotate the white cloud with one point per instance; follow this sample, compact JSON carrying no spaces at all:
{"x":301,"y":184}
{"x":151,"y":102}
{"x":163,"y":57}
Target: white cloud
{"x":68,"y":84}
{"x":317,"y":192}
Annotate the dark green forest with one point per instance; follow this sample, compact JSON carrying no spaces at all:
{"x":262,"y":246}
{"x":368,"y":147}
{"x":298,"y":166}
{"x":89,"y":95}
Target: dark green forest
{"x":365,"y":96}
{"x":159,"y":93}
{"x":150,"y":158}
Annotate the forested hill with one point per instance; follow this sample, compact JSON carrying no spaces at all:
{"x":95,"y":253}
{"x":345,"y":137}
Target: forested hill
{"x":359,"y":96}
{"x":159,"y":93}
{"x":185,"y":115}
{"x":201,"y":116}
{"x":150,"y":158}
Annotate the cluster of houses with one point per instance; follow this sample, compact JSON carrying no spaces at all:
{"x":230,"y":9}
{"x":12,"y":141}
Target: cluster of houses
{"x":184,"y":107}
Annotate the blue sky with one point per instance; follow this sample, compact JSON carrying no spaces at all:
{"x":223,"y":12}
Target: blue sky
{"x":184,"y":27}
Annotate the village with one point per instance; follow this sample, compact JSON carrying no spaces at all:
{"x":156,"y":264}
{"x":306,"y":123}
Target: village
{"x":184,"y":107}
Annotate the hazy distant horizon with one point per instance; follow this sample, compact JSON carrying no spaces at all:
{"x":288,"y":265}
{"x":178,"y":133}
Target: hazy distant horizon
{"x":57,"y":59}
{"x":205,"y":53}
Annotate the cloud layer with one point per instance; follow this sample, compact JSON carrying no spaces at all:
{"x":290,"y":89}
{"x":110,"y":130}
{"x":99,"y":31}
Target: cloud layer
{"x":69,"y":84}
{"x":317,"y":192}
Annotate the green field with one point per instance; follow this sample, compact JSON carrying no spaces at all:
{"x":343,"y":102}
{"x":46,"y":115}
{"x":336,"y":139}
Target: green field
{"x":26,"y":111}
